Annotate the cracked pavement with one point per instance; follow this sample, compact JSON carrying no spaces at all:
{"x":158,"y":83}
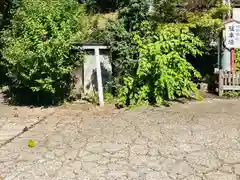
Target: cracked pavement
{"x":193,"y":141}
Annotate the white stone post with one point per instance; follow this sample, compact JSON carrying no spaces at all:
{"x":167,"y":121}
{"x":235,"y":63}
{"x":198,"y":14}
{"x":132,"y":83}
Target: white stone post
{"x":99,"y":77}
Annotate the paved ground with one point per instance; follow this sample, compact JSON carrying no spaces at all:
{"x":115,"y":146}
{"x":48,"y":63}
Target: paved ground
{"x":14,"y":119}
{"x":198,"y":141}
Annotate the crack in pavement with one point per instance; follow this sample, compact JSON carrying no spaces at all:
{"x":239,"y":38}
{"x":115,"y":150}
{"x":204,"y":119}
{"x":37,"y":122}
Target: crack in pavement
{"x":179,"y":143}
{"x":25,"y":129}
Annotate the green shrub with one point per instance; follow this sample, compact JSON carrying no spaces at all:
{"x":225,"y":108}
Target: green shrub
{"x":37,"y":47}
{"x":119,"y":35}
{"x":163,"y":72}
{"x":231,"y":94}
{"x":133,"y":14}
{"x":151,"y":65}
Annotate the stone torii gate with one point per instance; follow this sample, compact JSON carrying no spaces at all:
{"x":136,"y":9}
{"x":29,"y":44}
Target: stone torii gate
{"x":96,"y":48}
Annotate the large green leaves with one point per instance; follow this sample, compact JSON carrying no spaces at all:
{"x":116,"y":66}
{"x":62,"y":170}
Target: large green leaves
{"x":163,"y":71}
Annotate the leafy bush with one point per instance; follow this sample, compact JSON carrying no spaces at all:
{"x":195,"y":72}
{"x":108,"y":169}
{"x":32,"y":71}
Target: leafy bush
{"x":37,"y":46}
{"x":151,"y":63}
{"x":133,"y":14}
{"x":123,"y":47}
{"x":8,"y":8}
{"x":163,"y":72}
{"x":119,"y":35}
{"x":231,"y":94}
{"x":165,"y":11}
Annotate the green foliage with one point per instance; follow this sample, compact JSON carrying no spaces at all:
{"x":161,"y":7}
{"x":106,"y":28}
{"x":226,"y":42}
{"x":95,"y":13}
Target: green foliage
{"x":163,"y":72}
{"x":204,"y":17}
{"x":237,"y":60}
{"x":37,"y":46}
{"x":124,"y":52}
{"x":123,"y":47}
{"x":231,"y":94}
{"x":207,"y":25}
{"x":150,"y":65}
{"x":165,"y":11}
{"x":92,"y":97}
{"x":134,"y":13}
{"x":119,"y":35}
{"x":108,"y":98}
{"x":8,"y":11}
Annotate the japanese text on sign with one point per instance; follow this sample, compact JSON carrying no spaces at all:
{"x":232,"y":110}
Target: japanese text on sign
{"x":232,"y":39}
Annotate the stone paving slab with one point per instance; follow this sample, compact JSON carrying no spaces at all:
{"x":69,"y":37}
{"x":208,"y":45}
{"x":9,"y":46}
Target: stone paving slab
{"x":196,"y":141}
{"x":15,"y":120}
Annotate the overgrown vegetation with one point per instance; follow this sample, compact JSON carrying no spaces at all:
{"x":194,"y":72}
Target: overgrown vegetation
{"x":231,"y":94}
{"x":36,"y":50}
{"x":163,"y":71}
{"x":151,"y":58}
{"x":153,"y":52}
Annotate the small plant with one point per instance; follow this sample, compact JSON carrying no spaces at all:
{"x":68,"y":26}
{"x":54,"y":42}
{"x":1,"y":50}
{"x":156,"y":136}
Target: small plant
{"x":91,"y":97}
{"x":231,"y":94}
{"x":109,"y":98}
